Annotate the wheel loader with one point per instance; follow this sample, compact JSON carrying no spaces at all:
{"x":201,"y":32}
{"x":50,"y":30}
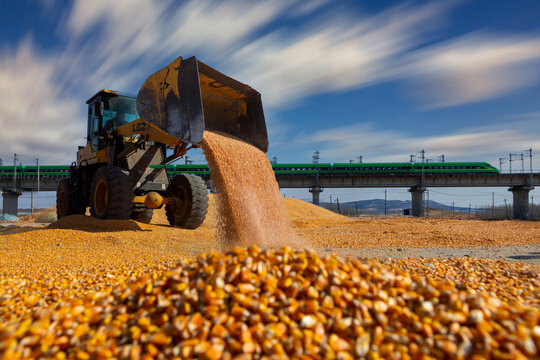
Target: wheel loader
{"x":121,"y":173}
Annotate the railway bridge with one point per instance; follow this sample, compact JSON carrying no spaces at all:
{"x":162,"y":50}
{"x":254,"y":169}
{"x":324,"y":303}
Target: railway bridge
{"x":518,"y":183}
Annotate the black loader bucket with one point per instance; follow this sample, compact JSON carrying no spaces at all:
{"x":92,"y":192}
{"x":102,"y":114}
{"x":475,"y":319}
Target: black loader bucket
{"x":188,"y":97}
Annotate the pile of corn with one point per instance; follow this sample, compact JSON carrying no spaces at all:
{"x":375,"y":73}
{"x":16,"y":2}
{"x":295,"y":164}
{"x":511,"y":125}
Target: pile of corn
{"x":509,"y":281}
{"x":252,"y":303}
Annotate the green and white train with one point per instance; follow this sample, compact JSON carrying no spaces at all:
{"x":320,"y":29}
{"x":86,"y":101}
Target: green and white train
{"x":294,"y":169}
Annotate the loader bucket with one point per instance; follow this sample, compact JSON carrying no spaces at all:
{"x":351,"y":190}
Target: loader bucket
{"x":188,"y":97}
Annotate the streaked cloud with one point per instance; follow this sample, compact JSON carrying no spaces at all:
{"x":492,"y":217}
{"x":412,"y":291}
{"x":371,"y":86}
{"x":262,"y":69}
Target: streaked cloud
{"x":484,"y":143}
{"x":35,"y":117}
{"x":118,"y":44}
{"x":333,"y":53}
{"x":473,"y":68}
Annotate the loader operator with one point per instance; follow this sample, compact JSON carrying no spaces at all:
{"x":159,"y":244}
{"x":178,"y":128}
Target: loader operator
{"x":118,"y":120}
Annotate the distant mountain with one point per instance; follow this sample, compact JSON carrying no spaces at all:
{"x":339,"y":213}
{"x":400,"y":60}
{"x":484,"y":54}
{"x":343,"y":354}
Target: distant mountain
{"x":376,"y":206}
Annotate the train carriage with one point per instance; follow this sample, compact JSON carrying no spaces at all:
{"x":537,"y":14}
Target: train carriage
{"x":455,"y":167}
{"x":46,"y":170}
{"x":282,"y":169}
{"x":197,"y":169}
{"x":8,"y":170}
{"x":372,"y":168}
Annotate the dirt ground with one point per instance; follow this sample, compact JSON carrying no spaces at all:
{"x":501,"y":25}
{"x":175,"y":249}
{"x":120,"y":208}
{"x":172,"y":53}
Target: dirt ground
{"x":398,"y":237}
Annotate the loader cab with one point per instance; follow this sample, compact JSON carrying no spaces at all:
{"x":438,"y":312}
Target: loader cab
{"x":108,"y":110}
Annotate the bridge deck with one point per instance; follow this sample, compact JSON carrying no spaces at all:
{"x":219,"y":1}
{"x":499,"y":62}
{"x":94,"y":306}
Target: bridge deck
{"x":50,"y":182}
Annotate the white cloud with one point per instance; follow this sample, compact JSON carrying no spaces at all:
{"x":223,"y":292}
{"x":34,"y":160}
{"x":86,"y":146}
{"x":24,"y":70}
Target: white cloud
{"x":338,"y":52}
{"x":118,"y":44}
{"x":125,"y":41}
{"x":36,"y":117}
{"x":483,"y":143}
{"x":473,"y":68}
{"x":122,"y":42}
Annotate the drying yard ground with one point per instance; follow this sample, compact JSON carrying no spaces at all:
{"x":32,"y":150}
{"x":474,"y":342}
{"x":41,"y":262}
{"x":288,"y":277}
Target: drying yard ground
{"x":83,"y":288}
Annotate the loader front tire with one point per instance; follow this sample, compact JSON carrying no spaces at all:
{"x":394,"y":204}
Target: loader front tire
{"x":190,"y":205}
{"x":111,"y":194}
{"x":142,"y":215}
{"x":64,"y":200}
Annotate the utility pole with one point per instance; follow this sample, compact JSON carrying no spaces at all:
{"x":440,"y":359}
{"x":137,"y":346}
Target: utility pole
{"x":412,"y":158}
{"x":505,"y":208}
{"x":510,"y":163}
{"x":532,"y":206}
{"x":528,"y":153}
{"x":493,"y":205}
{"x":423,"y":160}
{"x":1,"y":162}
{"x":514,"y":157}
{"x":427,"y":208}
{"x":274,"y":160}
{"x":360,"y":159}
{"x":331,"y":204}
{"x":501,"y":162}
{"x":316,"y":190}
{"x":356,"y":208}
{"x":469,"y":209}
{"x":316,"y":156}
{"x":15,"y":158}
{"x":338,"y":209}
{"x":453,"y":208}
{"x":385,"y":207}
{"x":37,"y":200}
{"x":37,"y":164}
{"x":436,"y":159}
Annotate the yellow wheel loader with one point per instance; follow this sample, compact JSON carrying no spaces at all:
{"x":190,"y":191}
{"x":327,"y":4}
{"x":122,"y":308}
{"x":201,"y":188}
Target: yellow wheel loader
{"x":126,"y":135}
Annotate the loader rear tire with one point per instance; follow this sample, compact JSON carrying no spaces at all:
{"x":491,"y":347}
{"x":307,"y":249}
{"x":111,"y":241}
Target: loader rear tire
{"x":111,"y":195}
{"x":190,"y":201}
{"x":142,"y":215}
{"x":64,"y":200}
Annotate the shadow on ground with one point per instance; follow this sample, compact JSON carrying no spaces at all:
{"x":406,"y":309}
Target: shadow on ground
{"x":534,"y":255}
{"x":92,"y":224}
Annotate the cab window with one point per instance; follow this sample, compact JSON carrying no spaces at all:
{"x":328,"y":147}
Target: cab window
{"x":119,"y":110}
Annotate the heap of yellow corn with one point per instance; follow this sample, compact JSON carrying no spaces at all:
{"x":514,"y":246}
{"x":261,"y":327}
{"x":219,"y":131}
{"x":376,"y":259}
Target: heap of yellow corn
{"x":252,"y":303}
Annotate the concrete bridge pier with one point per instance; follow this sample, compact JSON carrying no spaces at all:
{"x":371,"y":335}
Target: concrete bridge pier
{"x":10,"y":203}
{"x":417,"y":193}
{"x":316,"y":191}
{"x":521,"y":201}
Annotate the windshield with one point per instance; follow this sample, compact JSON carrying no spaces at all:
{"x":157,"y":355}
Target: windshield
{"x":120,"y":109}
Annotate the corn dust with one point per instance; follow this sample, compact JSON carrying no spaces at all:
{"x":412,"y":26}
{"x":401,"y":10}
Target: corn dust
{"x":250,"y":209}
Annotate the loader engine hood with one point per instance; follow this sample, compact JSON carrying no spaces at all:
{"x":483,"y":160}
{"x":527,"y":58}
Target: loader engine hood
{"x":188,"y":97}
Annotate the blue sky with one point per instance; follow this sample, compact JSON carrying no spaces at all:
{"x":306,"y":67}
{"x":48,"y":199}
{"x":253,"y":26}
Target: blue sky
{"x":348,"y":78}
